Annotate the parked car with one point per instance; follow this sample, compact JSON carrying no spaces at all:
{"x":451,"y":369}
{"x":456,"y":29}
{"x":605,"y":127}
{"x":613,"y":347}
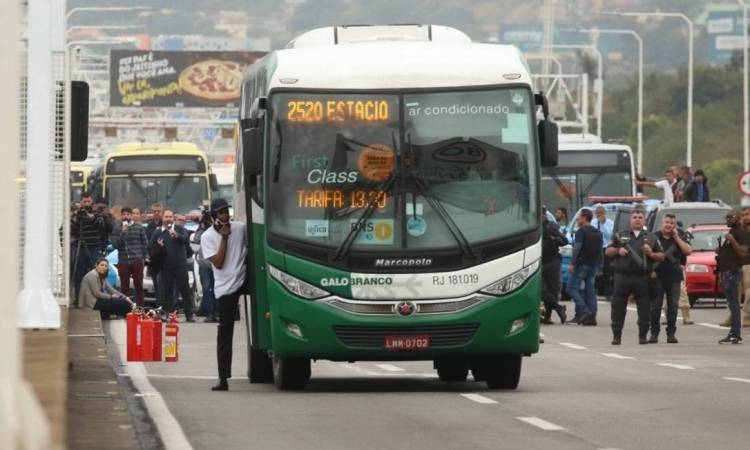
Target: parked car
{"x":689,"y":214}
{"x":701,"y":278}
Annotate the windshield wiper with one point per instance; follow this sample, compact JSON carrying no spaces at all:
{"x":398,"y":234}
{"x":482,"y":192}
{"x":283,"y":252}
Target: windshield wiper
{"x":437,"y":206}
{"x":346,"y":245}
{"x":138,"y":187}
{"x":177,"y":182}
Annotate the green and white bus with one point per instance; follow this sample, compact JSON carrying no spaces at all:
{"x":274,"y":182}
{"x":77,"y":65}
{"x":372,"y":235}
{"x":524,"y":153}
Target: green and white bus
{"x":391,"y":176}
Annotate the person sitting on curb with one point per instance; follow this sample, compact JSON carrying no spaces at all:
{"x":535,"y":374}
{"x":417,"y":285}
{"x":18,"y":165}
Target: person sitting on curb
{"x":97,"y":293}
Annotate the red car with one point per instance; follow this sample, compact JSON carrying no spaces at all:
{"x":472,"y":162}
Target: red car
{"x":701,"y":264}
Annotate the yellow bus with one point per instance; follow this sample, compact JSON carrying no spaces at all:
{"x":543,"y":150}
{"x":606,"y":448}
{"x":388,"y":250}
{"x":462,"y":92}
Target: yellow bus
{"x":175,"y":174}
{"x":79,"y":176}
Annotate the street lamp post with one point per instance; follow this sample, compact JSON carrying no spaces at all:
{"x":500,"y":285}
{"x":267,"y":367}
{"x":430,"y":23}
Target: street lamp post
{"x":691,"y":43}
{"x":745,"y":99}
{"x":639,"y":39}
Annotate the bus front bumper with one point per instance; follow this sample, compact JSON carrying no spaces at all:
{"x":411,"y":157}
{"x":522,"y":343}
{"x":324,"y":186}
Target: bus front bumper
{"x":315,"y":329}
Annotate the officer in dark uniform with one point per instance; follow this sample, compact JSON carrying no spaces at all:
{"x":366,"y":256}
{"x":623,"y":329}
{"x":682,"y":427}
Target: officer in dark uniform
{"x":634,"y":253}
{"x":552,"y":240}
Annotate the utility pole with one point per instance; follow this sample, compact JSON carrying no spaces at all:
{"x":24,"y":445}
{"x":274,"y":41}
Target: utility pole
{"x":549,"y":31}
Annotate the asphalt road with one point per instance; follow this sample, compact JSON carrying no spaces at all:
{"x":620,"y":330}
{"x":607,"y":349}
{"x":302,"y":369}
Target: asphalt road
{"x":579,"y":392}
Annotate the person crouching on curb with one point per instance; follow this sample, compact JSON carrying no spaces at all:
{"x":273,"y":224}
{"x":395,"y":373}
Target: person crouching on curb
{"x":97,"y":293}
{"x":225,"y":245}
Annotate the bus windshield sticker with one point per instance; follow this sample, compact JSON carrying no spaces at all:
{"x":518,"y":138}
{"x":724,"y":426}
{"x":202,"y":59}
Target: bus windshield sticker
{"x":375,"y":232}
{"x":316,"y":228}
{"x":416,"y":226}
{"x":518,"y":129}
{"x":376,"y":162}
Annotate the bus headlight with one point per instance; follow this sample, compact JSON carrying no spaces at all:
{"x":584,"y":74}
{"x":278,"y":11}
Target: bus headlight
{"x":297,"y":286}
{"x":512,"y":281}
{"x":697,"y":268}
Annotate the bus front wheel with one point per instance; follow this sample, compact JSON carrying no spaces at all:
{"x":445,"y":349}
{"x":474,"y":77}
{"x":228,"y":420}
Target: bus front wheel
{"x":260,"y":369}
{"x":291,"y":374}
{"x":499,"y":372}
{"x":452,"y":371}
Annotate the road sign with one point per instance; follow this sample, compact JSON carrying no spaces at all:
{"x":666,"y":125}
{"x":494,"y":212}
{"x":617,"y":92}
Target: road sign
{"x":743,"y":183}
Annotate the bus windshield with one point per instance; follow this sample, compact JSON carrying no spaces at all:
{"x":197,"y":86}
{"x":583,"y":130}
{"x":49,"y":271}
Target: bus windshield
{"x":585,"y":173}
{"x":413,"y":171}
{"x":181,"y":194}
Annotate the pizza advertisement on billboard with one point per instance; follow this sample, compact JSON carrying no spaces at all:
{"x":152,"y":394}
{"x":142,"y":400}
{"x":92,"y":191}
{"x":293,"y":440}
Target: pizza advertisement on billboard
{"x":177,"y":78}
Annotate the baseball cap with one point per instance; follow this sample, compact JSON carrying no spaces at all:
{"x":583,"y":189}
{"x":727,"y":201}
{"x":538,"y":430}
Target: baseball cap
{"x":218,"y":204}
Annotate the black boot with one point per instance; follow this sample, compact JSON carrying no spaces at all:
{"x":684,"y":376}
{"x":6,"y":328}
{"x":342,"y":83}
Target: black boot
{"x":562,"y":313}
{"x":222,"y":385}
{"x":547,"y":317}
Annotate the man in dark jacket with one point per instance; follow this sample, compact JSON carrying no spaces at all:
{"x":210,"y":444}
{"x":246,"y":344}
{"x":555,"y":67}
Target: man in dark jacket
{"x":584,"y":265}
{"x":552,"y":239}
{"x":90,"y":232}
{"x":169,"y":245}
{"x":697,"y":189}
{"x":151,"y":227}
{"x":130,"y":240}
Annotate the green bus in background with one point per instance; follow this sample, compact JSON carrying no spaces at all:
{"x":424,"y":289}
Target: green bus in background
{"x":390,"y":177}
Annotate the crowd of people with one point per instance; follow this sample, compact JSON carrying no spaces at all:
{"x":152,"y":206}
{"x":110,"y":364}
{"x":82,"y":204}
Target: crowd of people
{"x":680,"y":184}
{"x":646,"y":268}
{"x":158,"y":244}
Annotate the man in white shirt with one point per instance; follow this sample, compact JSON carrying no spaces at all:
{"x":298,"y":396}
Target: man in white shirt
{"x":666,"y":185}
{"x":225,"y":245}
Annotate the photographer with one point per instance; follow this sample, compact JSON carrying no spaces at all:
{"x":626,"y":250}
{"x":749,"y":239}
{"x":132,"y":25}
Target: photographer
{"x":90,"y":230}
{"x":129,"y":238}
{"x":168,"y":246}
{"x":205,"y":271}
{"x":730,"y":258}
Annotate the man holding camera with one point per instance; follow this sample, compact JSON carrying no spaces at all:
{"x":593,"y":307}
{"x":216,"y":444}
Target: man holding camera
{"x":129,"y":238}
{"x":634,"y":253}
{"x":90,"y":235}
{"x":169,"y":246}
{"x":225,"y":245}
{"x":730,"y":256}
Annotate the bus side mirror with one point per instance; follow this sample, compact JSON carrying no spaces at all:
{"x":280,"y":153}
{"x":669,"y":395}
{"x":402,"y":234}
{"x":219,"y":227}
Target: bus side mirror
{"x":547,"y":131}
{"x":252,"y":151}
{"x":548,"y":143}
{"x":79,"y":121}
{"x":213,"y":181}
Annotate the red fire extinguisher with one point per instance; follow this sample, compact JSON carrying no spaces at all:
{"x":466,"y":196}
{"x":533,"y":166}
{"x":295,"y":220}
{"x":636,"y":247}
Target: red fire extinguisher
{"x":171,"y":343}
{"x":157,"y":339}
{"x":135,"y":336}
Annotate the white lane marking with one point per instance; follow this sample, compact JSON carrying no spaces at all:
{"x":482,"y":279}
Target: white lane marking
{"x":478,"y":398}
{"x":711,"y":325}
{"x":360,"y":370}
{"x":572,"y":345}
{"x":169,"y":428}
{"x":616,"y":356}
{"x":175,"y":376}
{"x":540,"y":423}
{"x":389,"y":367}
{"x":676,"y":366}
{"x":741,"y":380}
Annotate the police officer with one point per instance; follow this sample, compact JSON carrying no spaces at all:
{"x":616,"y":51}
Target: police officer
{"x":552,"y":240}
{"x":634,"y":252}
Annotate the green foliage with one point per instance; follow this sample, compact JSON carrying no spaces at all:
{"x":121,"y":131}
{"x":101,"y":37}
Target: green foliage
{"x":717,"y":123}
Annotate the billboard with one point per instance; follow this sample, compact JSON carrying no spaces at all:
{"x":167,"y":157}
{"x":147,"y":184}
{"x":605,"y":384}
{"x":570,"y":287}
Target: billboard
{"x":176,"y":78}
{"x":724,"y":33}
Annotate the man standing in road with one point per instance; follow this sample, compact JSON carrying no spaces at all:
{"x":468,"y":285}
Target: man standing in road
{"x":669,"y":275}
{"x":584,"y":264}
{"x":169,"y":246}
{"x":731,"y":256}
{"x":90,"y":232}
{"x":606,"y":227}
{"x":225,"y":245}
{"x":552,"y":239}
{"x":634,"y":252}
{"x":154,"y":265}
{"x":129,"y":238}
